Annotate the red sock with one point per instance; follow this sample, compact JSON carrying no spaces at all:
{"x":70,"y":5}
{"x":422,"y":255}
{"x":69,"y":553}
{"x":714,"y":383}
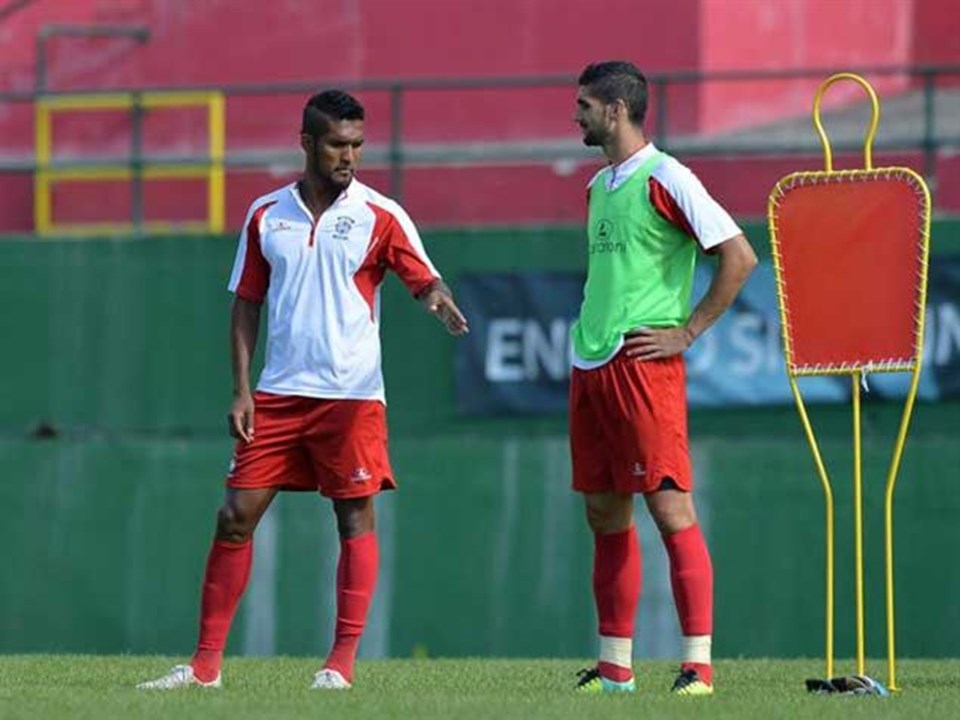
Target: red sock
{"x":616,"y":589}
{"x":228,"y":570}
{"x":691,"y":574}
{"x":356,"y":580}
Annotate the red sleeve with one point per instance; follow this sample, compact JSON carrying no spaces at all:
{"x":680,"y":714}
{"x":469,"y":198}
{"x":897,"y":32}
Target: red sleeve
{"x":402,"y":251}
{"x":255,"y":276}
{"x":668,"y":209}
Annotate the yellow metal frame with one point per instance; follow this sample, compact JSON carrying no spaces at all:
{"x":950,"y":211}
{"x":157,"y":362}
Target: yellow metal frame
{"x":857,"y":372}
{"x":212,"y":170}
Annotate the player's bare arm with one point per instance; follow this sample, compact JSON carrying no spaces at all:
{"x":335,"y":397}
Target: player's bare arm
{"x":438,"y":300}
{"x":244,"y":326}
{"x":736,"y":261}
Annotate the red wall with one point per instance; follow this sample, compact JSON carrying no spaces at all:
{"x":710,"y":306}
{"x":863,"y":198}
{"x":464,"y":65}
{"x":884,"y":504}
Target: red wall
{"x":324,"y":41}
{"x":796,"y":34}
{"x":225,"y":41}
{"x":937,"y":32}
{"x":230,"y":42}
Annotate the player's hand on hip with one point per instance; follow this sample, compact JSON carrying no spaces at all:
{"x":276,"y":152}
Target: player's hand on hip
{"x":440,"y":303}
{"x":657,"y":343}
{"x":240,"y":419}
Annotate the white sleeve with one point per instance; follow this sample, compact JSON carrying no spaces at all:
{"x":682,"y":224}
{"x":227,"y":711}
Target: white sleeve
{"x":240,"y":258}
{"x":710,"y":224}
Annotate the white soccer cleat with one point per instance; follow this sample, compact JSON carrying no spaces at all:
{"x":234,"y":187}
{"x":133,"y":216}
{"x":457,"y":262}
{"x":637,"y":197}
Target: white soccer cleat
{"x":180,"y":676}
{"x":328,"y":679}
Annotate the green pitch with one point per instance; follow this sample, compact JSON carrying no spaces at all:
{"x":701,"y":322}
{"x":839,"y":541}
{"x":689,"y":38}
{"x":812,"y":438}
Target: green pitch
{"x":79,"y":687}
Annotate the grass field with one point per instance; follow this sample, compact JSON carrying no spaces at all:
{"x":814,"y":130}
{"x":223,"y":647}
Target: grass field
{"x":77,"y":687}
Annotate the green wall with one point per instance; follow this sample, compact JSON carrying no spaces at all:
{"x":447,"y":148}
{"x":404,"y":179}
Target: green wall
{"x":484,"y":549}
{"x":121,"y":346}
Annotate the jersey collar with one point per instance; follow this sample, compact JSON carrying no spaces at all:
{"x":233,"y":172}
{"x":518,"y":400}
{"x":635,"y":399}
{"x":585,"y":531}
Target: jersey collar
{"x":621,"y":172}
{"x":348,"y":193}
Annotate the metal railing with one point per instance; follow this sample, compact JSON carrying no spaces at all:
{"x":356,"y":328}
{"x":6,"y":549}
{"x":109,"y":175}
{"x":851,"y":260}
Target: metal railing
{"x":938,"y":127}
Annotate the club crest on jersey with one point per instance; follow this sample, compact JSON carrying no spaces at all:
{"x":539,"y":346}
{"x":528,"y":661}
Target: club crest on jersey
{"x":341,"y":231}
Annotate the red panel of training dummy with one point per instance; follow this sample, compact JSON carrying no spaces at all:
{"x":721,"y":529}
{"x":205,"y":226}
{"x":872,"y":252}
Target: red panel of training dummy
{"x":851,"y":262}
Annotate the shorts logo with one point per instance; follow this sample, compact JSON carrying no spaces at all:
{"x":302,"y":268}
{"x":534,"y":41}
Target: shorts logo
{"x":341,"y":230}
{"x":638,"y":470}
{"x":360,"y":475}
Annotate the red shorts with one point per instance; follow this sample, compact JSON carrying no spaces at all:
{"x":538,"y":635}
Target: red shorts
{"x":628,"y":426}
{"x":338,"y":447}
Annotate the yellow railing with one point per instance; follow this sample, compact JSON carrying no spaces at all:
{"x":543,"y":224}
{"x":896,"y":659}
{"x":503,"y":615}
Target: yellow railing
{"x":47,"y":172}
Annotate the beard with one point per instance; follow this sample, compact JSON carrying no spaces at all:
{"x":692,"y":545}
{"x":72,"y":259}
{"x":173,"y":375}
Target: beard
{"x":593,"y":137}
{"x":328,"y":176}
{"x":338,"y":181}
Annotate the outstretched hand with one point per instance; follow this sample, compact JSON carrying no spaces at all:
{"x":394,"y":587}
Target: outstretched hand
{"x":657,"y":343}
{"x":439,"y":302}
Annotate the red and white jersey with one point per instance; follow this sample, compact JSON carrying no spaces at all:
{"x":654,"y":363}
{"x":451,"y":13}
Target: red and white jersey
{"x":678,"y":195}
{"x":321,"y":282}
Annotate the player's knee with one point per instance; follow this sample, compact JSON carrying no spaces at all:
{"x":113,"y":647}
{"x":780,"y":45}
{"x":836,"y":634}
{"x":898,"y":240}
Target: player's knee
{"x":354,"y":516}
{"x":232,"y":525}
{"x":673,"y":519}
{"x":672,"y":509}
{"x":606,"y":519}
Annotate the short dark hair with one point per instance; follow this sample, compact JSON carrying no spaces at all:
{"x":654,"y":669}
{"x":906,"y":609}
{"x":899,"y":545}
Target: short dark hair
{"x":327,"y":106}
{"x":618,"y":80}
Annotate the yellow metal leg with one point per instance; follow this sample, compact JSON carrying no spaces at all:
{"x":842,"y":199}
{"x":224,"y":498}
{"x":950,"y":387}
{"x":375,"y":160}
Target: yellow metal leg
{"x":858,"y":521}
{"x":828,"y":501}
{"x":888,"y":527}
{"x":888,"y":569}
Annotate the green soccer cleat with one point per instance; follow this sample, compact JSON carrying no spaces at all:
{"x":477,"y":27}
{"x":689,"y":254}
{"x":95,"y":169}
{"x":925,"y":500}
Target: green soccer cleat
{"x":592,"y":682}
{"x":688,"y":682}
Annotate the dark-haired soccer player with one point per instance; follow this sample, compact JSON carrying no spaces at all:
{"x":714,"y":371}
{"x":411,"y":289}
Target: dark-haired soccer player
{"x":648,"y":218}
{"x":316,"y":252}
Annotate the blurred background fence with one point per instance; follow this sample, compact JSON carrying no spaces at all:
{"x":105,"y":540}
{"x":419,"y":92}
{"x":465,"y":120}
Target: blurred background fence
{"x":458,"y":151}
{"x":115,"y":377}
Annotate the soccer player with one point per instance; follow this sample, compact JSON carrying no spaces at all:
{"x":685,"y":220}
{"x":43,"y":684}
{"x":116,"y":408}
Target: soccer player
{"x":316,"y":251}
{"x":648,"y":218}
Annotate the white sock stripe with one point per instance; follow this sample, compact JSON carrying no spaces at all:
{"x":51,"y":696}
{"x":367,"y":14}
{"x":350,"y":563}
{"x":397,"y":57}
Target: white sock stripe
{"x":696,"y":648}
{"x":616,"y":651}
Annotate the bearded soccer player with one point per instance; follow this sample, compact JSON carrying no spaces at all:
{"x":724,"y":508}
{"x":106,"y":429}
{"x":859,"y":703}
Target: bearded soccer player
{"x":648,"y":219}
{"x":316,"y":252}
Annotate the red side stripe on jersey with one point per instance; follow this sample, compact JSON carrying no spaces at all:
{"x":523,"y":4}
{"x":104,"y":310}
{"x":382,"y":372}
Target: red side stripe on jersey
{"x":256,"y":270}
{"x":398,"y":253}
{"x":664,"y":204}
{"x":371,"y":271}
